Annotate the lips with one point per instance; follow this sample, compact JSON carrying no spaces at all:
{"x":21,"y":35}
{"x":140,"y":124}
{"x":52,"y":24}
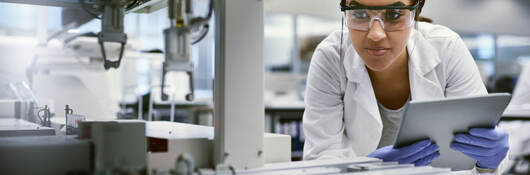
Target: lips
{"x":377,"y":51}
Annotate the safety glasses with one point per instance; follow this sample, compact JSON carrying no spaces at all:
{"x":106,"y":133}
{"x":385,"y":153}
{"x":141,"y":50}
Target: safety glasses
{"x":393,"y":17}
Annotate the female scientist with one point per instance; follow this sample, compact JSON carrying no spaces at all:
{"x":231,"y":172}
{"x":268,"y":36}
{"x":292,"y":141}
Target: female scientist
{"x":358,"y":86}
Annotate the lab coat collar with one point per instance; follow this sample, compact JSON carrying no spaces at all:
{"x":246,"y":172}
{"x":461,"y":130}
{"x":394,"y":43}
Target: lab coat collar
{"x":356,"y":73}
{"x":423,"y":57}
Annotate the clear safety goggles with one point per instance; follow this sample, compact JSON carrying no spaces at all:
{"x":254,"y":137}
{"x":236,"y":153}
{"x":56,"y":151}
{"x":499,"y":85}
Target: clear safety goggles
{"x":391,"y":18}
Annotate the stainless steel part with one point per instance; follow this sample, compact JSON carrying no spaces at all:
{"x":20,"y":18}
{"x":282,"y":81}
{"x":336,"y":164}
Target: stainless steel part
{"x":112,"y":29}
{"x":177,"y":39}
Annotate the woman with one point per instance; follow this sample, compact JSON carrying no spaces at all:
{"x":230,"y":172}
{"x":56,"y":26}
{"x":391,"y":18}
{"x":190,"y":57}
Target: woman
{"x":358,"y":86}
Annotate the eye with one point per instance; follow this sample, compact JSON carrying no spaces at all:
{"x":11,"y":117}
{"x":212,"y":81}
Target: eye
{"x":360,"y":15}
{"x":392,"y":15}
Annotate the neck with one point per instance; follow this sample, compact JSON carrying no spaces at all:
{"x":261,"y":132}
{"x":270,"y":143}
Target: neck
{"x":396,"y":71}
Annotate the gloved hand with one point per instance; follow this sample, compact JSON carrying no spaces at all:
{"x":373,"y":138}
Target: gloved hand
{"x":420,"y":153}
{"x":488,"y":146}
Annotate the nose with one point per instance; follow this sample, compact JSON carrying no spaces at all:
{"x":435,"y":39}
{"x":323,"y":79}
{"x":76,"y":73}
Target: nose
{"x":376,"y":32}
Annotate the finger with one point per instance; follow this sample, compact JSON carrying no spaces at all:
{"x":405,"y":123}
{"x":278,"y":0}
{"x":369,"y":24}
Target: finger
{"x":427,"y":160}
{"x":421,"y":154}
{"x":476,"y":150}
{"x":377,"y":153}
{"x":411,"y":149}
{"x":488,"y":133}
{"x":476,"y":141}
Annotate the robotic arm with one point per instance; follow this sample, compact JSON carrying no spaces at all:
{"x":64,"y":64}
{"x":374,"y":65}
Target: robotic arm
{"x":178,"y":40}
{"x":112,"y":29}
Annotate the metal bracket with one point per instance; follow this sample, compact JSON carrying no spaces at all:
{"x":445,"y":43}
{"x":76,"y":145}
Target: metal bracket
{"x":107,"y":63}
{"x":177,"y":57}
{"x":112,"y":29}
{"x":185,"y":67}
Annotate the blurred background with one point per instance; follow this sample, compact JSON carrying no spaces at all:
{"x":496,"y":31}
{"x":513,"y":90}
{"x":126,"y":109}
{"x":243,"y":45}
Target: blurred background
{"x":497,"y":33}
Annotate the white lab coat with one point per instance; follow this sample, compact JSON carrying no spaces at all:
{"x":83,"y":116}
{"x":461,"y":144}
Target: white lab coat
{"x":341,"y":118}
{"x":521,"y":94}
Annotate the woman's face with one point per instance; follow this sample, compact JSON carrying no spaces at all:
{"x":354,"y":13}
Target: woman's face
{"x":378,"y":48}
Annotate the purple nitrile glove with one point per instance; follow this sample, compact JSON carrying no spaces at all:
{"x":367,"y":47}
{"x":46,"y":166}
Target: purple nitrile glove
{"x":420,"y":153}
{"x":488,"y":146}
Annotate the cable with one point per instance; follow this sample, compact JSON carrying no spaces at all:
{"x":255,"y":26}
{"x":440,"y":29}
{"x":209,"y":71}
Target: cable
{"x":88,"y":34}
{"x":63,"y":30}
{"x":131,"y":5}
{"x":210,"y":11}
{"x":206,"y":28}
{"x":341,"y":33}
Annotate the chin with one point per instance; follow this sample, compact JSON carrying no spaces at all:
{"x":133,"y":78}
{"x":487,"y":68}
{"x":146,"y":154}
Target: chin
{"x":377,"y":64}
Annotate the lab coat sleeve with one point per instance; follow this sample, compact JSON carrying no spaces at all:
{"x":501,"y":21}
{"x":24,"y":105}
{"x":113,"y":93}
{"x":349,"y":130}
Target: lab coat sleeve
{"x":323,"y":117}
{"x":463,"y":77}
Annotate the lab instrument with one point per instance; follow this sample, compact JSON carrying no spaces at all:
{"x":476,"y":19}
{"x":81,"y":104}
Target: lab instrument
{"x":178,"y":40}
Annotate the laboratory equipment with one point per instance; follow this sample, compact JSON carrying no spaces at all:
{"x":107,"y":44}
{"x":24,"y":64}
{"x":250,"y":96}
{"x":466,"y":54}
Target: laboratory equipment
{"x":118,"y":145}
{"x":238,"y":86}
{"x":127,"y":146}
{"x":239,"y":73}
{"x":13,"y":127}
{"x":72,"y":123}
{"x":111,"y":28}
{"x":45,"y":118}
{"x":168,"y":140}
{"x":18,"y":101}
{"x":178,"y":40}
{"x":44,"y":155}
{"x":109,"y":12}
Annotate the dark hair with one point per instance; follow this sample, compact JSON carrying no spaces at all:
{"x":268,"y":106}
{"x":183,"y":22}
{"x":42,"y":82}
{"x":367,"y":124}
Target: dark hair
{"x":418,"y":11}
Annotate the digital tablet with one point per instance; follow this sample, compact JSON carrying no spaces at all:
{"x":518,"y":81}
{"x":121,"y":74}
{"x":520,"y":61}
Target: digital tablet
{"x":440,"y":120}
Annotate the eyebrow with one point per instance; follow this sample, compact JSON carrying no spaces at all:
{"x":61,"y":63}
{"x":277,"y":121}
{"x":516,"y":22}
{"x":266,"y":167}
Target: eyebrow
{"x":395,"y":4}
